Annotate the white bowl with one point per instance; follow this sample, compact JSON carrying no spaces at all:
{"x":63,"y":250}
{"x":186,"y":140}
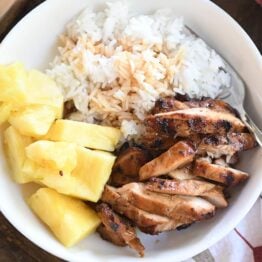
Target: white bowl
{"x":33,"y":41}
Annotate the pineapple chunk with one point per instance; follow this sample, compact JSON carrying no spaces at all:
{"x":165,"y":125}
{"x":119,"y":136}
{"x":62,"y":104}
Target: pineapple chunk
{"x":33,"y":120}
{"x":84,"y":134}
{"x":15,"y":145}
{"x":13,"y":83}
{"x":69,"y":219}
{"x":94,"y":169}
{"x":37,"y":172}
{"x":54,"y":155}
{"x":42,"y":90}
{"x":23,"y":88}
{"x":87,"y":180}
{"x":5,"y":111}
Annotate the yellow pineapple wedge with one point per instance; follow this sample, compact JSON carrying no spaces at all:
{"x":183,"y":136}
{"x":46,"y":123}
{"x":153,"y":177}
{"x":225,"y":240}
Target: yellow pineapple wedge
{"x":69,"y":219}
{"x":42,"y":90}
{"x":23,"y":88}
{"x":84,"y":134}
{"x":86,"y":181}
{"x":5,"y":111}
{"x":33,"y":120}
{"x":13,"y":83}
{"x":37,"y":173}
{"x":14,"y":144}
{"x":94,"y":168}
{"x":54,"y":155}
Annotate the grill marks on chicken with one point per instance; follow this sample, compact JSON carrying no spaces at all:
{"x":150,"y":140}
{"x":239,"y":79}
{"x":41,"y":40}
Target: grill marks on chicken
{"x":213,"y":104}
{"x":196,"y":120}
{"x":156,"y":141}
{"x":222,"y":174}
{"x":117,"y":229}
{"x":168,"y":104}
{"x":147,"y":222}
{"x":178,"y":155}
{"x":127,"y":166}
{"x":180,"y":208}
{"x":226,"y":145}
{"x":130,"y":161}
{"x":190,"y":187}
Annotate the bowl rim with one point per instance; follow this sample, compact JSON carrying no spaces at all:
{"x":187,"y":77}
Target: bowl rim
{"x":228,"y":227}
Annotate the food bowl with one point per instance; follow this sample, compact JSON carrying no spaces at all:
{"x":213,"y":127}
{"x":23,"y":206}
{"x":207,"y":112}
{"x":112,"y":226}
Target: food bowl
{"x":34,"y":40}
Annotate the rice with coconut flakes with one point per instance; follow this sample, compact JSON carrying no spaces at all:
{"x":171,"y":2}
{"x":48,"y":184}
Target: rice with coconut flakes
{"x":114,"y":66}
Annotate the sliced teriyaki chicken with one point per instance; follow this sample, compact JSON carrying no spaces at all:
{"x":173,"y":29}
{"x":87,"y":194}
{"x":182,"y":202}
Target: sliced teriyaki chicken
{"x":117,"y":229}
{"x":184,"y":209}
{"x":222,"y":174}
{"x":177,"y":156}
{"x":219,"y":161}
{"x":210,"y":192}
{"x":195,"y":120}
{"x":127,"y":166}
{"x":213,"y":104}
{"x":131,"y":160}
{"x":147,"y":222}
{"x":119,"y":179}
{"x":168,"y":104}
{"x":226,"y":145}
{"x":182,"y":173}
{"x":110,"y":235}
{"x":156,"y":142}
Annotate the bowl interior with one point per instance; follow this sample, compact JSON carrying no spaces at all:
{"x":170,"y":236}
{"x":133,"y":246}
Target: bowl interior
{"x":34,"y":40}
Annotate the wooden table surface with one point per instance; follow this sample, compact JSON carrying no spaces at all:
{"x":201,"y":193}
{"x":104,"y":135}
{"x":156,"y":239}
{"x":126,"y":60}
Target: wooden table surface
{"x":15,"y":247}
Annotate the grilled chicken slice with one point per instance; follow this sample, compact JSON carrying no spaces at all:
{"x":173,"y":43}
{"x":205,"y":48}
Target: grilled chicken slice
{"x":213,"y":104}
{"x":146,"y":222}
{"x":232,"y":160}
{"x":222,"y":174}
{"x":182,"y":173}
{"x":242,"y":141}
{"x":118,"y":179}
{"x":210,"y":192}
{"x":118,"y":230}
{"x":195,"y":120}
{"x":219,"y":161}
{"x":226,"y":145}
{"x":177,"y":156}
{"x":156,"y":142}
{"x":184,"y":209}
{"x":109,"y":235}
{"x":169,"y":104}
{"x":131,"y":160}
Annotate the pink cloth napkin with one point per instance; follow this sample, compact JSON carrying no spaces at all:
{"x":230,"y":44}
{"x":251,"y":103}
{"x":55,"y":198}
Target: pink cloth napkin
{"x":243,"y":244}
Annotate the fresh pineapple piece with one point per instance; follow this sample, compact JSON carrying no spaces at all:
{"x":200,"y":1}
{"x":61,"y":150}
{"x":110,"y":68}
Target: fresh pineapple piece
{"x":36,"y":172}
{"x":69,"y":219}
{"x":87,"y":180}
{"x":22,"y":88}
{"x":84,"y":134}
{"x":33,"y":120}
{"x":64,"y":183}
{"x":13,"y":83}
{"x":54,"y":155}
{"x":94,"y":169}
{"x":5,"y":111}
{"x":42,"y":90}
{"x":15,"y":144}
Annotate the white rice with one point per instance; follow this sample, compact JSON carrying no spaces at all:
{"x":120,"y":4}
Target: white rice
{"x":115,"y":66}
